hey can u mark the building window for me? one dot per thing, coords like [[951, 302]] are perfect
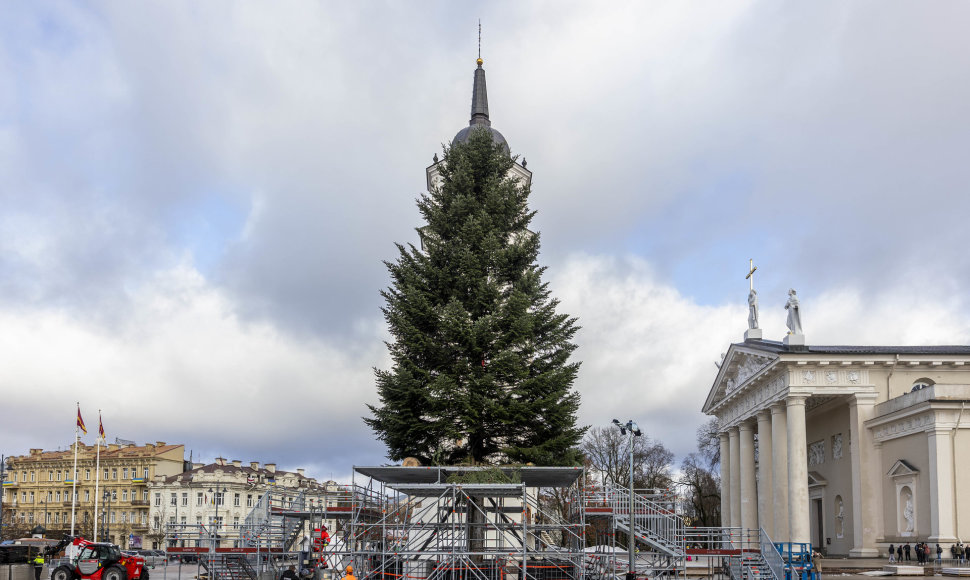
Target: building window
[[185, 498], [235, 500], [114, 473], [198, 520], [113, 517], [185, 520], [23, 496], [87, 495], [146, 473], [50, 496], [31, 476], [58, 474], [114, 495], [158, 499], [124, 495], [124, 473], [25, 476], [105, 473], [158, 522], [144, 518], [87, 474], [144, 494], [57, 494], [198, 499], [249, 500], [174, 499], [50, 476], [30, 518], [31, 497]]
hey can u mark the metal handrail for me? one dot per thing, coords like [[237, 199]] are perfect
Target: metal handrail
[[771, 555]]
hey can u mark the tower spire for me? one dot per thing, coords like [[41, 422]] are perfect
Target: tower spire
[[479, 93]]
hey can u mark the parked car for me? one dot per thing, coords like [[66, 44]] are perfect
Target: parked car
[[152, 558]]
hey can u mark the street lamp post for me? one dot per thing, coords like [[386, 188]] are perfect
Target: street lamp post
[[217, 498], [634, 430], [107, 511]]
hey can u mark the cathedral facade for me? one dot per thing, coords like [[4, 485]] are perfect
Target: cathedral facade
[[850, 448]]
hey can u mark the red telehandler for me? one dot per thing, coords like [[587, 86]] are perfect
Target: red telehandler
[[97, 561]]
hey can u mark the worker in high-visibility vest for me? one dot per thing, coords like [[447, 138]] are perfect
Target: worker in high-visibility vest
[[38, 565], [350, 574]]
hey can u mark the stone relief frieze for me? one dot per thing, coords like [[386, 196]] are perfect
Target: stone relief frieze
[[837, 446], [808, 377], [751, 365], [831, 377], [852, 377], [816, 453], [904, 427]]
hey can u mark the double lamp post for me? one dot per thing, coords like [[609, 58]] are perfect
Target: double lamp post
[[634, 430]]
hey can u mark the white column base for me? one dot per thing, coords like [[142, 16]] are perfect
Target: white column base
[[867, 553], [752, 334], [941, 540], [794, 340]]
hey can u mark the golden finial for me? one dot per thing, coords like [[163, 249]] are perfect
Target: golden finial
[[480, 61]]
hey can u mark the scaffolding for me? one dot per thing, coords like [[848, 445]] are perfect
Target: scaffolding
[[437, 523]]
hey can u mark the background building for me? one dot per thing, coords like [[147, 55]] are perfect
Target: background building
[[38, 487], [188, 507]]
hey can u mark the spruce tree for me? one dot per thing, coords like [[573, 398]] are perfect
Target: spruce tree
[[481, 371]]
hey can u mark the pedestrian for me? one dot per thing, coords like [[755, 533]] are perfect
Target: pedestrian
[[918, 548], [965, 553], [927, 553], [907, 550], [899, 553], [892, 554], [939, 555], [38, 564]]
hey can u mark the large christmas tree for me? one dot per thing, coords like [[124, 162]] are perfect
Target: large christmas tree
[[481, 371]]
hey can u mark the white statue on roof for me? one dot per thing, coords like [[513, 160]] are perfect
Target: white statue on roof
[[794, 321]]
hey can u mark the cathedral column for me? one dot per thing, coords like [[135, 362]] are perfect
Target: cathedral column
[[779, 471], [765, 500], [799, 527], [942, 493], [749, 495], [866, 477], [735, 486], [725, 479]]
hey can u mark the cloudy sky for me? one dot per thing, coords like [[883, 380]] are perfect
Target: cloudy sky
[[196, 198]]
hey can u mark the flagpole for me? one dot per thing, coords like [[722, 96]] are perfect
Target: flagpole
[[97, 477], [77, 439]]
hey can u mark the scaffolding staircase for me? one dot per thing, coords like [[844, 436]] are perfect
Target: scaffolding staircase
[[228, 567]]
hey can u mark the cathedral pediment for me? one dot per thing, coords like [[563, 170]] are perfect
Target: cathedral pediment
[[902, 468], [737, 367]]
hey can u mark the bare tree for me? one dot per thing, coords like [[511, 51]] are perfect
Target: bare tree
[[607, 454], [701, 487], [709, 442]]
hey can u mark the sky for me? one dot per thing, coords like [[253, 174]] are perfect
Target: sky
[[196, 199]]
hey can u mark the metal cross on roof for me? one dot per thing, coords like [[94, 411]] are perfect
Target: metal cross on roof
[[750, 276]]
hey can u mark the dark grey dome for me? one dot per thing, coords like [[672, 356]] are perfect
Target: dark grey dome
[[497, 138]]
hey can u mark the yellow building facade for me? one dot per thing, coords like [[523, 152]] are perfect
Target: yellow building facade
[[111, 492]]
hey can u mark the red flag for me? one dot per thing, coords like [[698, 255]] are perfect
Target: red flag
[[100, 426], [80, 421]]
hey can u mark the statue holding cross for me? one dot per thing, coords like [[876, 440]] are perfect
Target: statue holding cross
[[752, 297]]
